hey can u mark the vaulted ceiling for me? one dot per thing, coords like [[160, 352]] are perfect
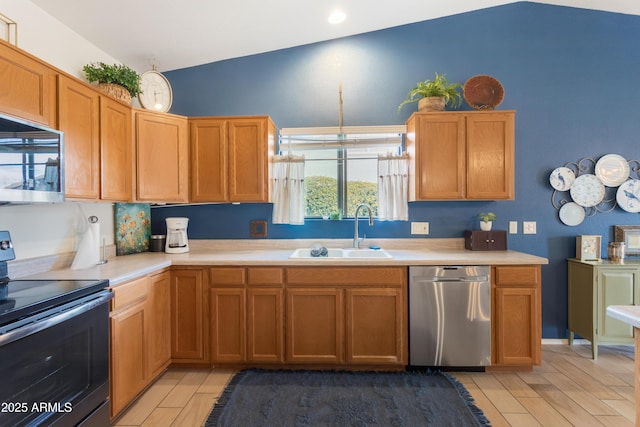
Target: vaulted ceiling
[[178, 34]]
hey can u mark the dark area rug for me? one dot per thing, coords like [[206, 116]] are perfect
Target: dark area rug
[[330, 398]]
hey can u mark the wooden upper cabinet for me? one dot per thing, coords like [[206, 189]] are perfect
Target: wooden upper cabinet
[[116, 150], [461, 155], [27, 86], [79, 119], [162, 157], [230, 158], [251, 146], [208, 160], [490, 155]]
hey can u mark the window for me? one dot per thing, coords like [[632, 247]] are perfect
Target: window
[[341, 165]]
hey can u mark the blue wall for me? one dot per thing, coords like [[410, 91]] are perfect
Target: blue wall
[[571, 74]]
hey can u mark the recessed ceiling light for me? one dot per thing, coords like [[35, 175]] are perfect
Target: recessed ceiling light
[[337, 17]]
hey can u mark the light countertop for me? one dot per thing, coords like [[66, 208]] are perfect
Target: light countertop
[[274, 252], [627, 313]]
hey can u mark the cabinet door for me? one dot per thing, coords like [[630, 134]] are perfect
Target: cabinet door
[[436, 143], [162, 150], [187, 316], [375, 320], [116, 151], [159, 308], [128, 355], [265, 325], [516, 340], [615, 287], [314, 325], [209, 172], [27, 87], [228, 325], [490, 155], [79, 119], [516, 315], [249, 159]]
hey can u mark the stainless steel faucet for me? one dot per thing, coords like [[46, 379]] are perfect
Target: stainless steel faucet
[[356, 239]]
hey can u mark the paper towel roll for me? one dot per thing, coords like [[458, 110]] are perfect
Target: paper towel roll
[[88, 253]]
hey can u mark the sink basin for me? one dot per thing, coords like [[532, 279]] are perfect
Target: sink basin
[[305, 253], [366, 253]]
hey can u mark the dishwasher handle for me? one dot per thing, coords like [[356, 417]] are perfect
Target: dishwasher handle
[[435, 279]]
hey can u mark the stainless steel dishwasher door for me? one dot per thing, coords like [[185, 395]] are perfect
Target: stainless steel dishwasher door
[[449, 316]]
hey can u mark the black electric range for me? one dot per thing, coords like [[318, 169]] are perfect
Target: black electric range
[[20, 298]]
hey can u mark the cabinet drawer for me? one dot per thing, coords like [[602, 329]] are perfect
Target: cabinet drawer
[[516, 275], [129, 293], [232, 276], [346, 275], [265, 276]]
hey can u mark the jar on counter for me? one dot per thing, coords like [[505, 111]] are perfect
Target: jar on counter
[[615, 251], [156, 243]]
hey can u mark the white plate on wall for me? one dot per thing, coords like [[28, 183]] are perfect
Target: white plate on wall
[[612, 170], [561, 178], [571, 214], [628, 195], [587, 190]]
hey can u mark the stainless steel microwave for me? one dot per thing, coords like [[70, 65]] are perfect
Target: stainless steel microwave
[[31, 162]]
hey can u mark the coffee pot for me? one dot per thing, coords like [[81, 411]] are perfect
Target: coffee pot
[[177, 241]]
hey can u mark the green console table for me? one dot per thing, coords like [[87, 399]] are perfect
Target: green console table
[[592, 287]]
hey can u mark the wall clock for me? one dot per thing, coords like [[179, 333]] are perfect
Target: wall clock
[[155, 91]]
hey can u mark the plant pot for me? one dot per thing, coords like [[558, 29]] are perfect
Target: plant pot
[[116, 91], [485, 225], [431, 103]]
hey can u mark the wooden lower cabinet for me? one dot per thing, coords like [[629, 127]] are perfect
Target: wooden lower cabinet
[[346, 315], [375, 326], [516, 315], [246, 314], [129, 343], [228, 325], [315, 325], [140, 336], [159, 306], [188, 310], [265, 325]]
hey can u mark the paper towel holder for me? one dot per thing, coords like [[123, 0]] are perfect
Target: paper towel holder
[[103, 260]]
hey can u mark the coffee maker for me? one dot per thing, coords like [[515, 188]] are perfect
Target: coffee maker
[[177, 241]]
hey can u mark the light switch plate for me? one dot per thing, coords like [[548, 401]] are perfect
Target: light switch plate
[[419, 228], [529, 227], [513, 227]]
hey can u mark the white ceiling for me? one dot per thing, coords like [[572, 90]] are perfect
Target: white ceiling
[[184, 33]]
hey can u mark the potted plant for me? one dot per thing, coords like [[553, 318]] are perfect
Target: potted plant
[[486, 219], [116, 80], [434, 95]]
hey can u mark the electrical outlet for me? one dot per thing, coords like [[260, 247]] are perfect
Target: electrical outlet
[[529, 227], [419, 228], [513, 227]]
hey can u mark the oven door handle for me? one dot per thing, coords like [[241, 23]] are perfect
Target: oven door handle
[[55, 318]]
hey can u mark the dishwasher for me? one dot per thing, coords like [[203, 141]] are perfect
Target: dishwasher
[[450, 316]]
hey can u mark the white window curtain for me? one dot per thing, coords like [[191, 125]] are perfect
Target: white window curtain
[[288, 190], [393, 187]]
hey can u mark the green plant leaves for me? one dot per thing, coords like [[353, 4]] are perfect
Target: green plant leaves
[[116, 73], [437, 87]]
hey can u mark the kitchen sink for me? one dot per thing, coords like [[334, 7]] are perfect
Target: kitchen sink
[[365, 253]]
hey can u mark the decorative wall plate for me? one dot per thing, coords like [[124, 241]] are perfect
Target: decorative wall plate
[[628, 195], [483, 92], [571, 214], [561, 178], [612, 170], [587, 190]]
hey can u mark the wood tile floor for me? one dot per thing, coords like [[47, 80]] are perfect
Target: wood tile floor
[[568, 389]]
